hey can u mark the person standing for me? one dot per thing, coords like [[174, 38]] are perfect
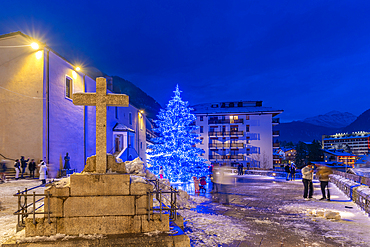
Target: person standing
[[287, 170], [323, 175], [67, 166], [17, 165], [241, 169], [23, 165], [43, 172], [32, 168], [292, 172], [196, 184], [307, 175]]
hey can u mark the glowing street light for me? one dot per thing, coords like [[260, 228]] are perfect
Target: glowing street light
[[35, 46], [78, 68]]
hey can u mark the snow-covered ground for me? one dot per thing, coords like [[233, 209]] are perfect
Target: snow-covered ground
[[353, 225], [225, 224], [9, 205]]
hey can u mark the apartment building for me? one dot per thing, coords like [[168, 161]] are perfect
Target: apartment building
[[357, 142], [237, 132]]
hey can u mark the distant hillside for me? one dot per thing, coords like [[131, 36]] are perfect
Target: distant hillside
[[299, 131], [333, 119], [138, 98], [362, 123]]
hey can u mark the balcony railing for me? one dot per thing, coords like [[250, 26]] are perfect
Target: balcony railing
[[275, 132], [225, 121], [225, 133], [226, 145], [276, 120], [226, 157], [276, 145]]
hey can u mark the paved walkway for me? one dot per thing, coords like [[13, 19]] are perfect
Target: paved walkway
[[274, 213]]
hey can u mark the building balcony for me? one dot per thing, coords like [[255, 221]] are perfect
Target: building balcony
[[225, 121], [226, 133], [226, 145], [275, 133], [275, 121], [276, 145], [226, 157]]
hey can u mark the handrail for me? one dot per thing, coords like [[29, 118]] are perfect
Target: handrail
[[6, 157], [23, 212]]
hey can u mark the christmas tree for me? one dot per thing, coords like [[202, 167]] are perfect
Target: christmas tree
[[174, 149]]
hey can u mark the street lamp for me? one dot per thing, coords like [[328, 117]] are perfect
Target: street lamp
[[35, 46]]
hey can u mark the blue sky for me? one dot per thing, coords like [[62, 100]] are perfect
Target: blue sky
[[304, 57]]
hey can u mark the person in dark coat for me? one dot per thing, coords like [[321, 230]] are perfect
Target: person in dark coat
[[32, 168], [292, 172], [23, 165], [67, 166], [287, 170]]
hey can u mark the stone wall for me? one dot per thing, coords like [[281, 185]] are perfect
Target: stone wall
[[359, 193], [98, 204]]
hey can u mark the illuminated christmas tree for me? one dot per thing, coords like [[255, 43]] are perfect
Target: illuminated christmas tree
[[174, 149]]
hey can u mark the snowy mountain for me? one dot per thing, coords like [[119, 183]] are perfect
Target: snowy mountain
[[362, 123], [333, 119]]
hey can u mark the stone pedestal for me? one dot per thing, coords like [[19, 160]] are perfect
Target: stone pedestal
[[98, 204]]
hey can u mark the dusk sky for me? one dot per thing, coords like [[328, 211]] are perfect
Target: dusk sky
[[304, 57]]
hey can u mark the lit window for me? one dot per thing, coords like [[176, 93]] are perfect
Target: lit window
[[69, 85]]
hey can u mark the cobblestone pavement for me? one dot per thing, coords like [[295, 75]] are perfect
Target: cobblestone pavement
[[275, 214]]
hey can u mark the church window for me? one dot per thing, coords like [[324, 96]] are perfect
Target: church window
[[69, 86]]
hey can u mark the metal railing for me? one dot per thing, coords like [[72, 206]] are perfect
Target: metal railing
[[226, 145], [227, 157], [25, 209], [225, 133], [225, 121], [165, 204]]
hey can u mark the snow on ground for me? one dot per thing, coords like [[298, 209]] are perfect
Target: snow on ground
[[210, 230], [9, 205], [354, 223]]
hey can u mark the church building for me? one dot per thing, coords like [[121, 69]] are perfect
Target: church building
[[38, 118]]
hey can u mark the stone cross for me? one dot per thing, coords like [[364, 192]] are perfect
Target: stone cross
[[101, 100]]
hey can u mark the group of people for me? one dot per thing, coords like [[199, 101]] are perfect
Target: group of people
[[322, 174], [200, 184], [290, 170], [21, 164]]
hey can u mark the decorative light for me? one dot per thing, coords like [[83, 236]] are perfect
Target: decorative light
[[39, 54], [35, 46], [78, 68], [141, 111]]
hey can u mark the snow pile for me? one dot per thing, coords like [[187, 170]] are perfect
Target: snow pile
[[138, 179], [20, 237], [135, 167], [212, 230], [327, 214], [64, 182], [150, 234]]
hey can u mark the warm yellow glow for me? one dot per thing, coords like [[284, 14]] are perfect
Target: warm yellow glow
[[35, 46], [141, 111], [74, 74], [39, 54], [78, 68]]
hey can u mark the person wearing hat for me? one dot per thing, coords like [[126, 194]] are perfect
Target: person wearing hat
[[307, 175]]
